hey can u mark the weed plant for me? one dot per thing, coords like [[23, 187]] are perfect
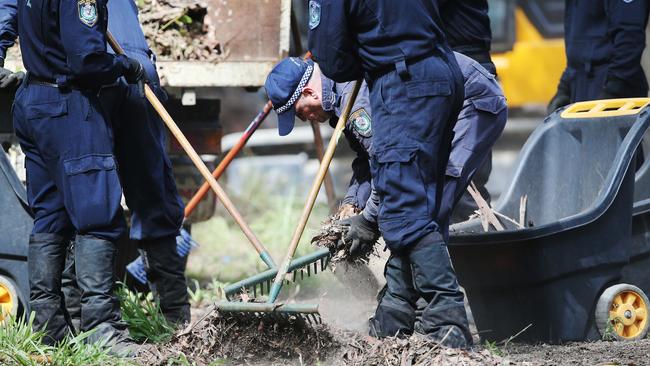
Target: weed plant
[[20, 345], [143, 317]]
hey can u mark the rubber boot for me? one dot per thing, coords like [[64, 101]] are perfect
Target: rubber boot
[[166, 275], [46, 258], [444, 318], [100, 309], [70, 289]]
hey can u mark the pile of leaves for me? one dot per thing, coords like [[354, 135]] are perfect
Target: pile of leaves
[[416, 351], [241, 339], [175, 30], [331, 236]]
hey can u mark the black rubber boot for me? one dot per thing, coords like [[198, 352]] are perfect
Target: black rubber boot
[[444, 318], [70, 289], [422, 271], [46, 259], [166, 276], [100, 309]]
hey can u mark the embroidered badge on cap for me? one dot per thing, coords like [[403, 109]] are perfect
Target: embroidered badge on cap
[[314, 14], [88, 12], [361, 122]]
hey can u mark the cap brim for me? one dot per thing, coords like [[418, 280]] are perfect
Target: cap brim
[[286, 121]]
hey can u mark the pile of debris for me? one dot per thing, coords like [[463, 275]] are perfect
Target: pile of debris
[[245, 340], [249, 340], [331, 236], [176, 30]]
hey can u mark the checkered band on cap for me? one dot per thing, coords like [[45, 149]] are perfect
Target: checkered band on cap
[[298, 91]]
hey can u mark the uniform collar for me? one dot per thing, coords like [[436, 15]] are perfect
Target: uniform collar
[[329, 94]]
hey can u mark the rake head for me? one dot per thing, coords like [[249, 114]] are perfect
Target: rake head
[[299, 268], [307, 313]]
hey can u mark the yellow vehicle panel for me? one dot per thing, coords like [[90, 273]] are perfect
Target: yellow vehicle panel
[[530, 72]]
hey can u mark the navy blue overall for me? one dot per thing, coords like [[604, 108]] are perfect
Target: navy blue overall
[[145, 173], [416, 93], [72, 182]]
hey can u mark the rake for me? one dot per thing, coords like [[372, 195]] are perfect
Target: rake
[[273, 309], [200, 165]]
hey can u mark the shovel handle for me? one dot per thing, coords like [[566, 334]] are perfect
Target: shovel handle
[[313, 193], [200, 165]]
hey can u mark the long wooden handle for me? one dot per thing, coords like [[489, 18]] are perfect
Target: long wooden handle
[[223, 164], [182, 140], [313, 193]]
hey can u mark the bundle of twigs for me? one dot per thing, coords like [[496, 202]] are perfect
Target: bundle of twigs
[[175, 30]]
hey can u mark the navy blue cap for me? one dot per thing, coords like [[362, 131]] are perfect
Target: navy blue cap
[[284, 86]]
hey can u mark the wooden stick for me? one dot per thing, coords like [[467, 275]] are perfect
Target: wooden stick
[[313, 193], [200, 165], [484, 208]]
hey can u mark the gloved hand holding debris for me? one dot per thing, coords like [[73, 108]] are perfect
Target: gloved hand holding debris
[[361, 235]]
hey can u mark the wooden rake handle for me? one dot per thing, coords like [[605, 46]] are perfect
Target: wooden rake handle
[[182, 140], [313, 193]]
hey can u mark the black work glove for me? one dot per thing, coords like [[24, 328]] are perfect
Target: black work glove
[[559, 100], [134, 74], [10, 80], [362, 233]]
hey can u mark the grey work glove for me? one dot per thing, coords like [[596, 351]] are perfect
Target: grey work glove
[[362, 233], [10, 80]]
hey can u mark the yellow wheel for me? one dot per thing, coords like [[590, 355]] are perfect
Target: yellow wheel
[[622, 313], [8, 298]]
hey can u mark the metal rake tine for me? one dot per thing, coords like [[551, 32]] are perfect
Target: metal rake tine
[[315, 267], [308, 271]]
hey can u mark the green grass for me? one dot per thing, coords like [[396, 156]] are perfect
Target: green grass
[[20, 345], [226, 255], [143, 317]]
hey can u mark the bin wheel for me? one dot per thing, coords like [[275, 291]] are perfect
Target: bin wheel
[[9, 300], [622, 313]]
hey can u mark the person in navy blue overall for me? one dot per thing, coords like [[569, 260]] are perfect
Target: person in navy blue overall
[[604, 42], [73, 186], [416, 92], [145, 172], [144, 168]]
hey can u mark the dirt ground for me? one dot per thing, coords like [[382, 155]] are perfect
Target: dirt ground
[[251, 341]]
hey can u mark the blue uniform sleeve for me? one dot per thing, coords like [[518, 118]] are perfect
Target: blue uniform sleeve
[[8, 27], [83, 34], [627, 22], [359, 188], [330, 42], [371, 211]]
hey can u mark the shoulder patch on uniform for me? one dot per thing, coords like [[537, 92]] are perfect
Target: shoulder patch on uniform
[[361, 122], [88, 12], [314, 14]]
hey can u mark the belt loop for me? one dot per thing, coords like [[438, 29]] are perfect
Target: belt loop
[[402, 71], [588, 68]]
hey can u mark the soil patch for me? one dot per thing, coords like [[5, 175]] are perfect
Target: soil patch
[[582, 353]]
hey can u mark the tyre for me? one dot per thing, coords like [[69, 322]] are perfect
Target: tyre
[[9, 301], [622, 313]]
